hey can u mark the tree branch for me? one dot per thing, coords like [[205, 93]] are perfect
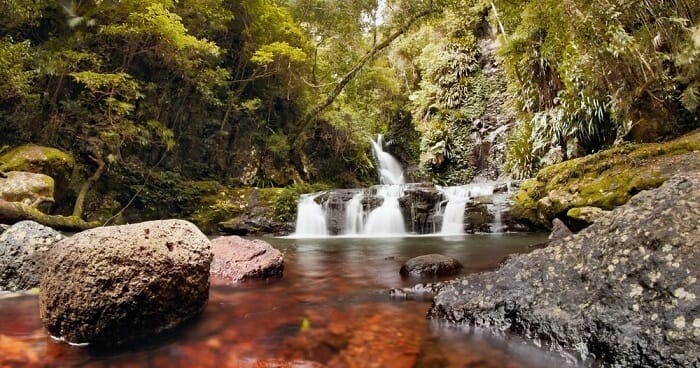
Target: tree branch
[[313, 114]]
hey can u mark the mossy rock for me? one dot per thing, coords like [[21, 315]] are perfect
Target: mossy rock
[[38, 159], [605, 180], [42, 160]]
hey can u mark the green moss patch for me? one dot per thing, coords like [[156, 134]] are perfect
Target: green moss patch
[[606, 179]]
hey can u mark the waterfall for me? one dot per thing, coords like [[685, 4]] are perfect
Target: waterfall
[[453, 215], [390, 171], [311, 218], [387, 219], [456, 199], [354, 215]]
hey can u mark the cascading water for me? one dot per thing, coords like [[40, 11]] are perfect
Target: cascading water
[[387, 219], [311, 218], [344, 212], [390, 171], [354, 215], [453, 216], [456, 200]]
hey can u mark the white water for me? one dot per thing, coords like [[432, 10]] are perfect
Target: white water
[[387, 220], [311, 218], [453, 216], [354, 215], [457, 199], [390, 171]]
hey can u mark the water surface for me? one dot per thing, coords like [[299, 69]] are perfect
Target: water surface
[[331, 307]]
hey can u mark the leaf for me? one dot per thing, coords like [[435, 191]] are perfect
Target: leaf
[[305, 325]]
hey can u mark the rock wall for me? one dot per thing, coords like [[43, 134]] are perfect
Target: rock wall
[[623, 291]]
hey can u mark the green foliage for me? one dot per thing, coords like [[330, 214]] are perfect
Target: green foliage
[[269, 53], [588, 69], [522, 159], [16, 73]]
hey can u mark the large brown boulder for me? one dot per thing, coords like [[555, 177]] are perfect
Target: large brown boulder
[[120, 284], [23, 248], [237, 259]]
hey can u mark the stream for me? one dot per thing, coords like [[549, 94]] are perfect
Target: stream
[[331, 307]]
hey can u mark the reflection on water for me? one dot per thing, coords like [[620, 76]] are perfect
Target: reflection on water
[[331, 308]]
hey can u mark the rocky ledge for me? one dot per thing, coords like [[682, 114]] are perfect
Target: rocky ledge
[[624, 291]]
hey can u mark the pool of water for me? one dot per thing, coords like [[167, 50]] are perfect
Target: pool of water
[[331, 308]]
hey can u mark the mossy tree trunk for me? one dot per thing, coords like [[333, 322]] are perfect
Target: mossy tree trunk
[[12, 212], [80, 200]]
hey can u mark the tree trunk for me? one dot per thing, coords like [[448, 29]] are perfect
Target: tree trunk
[[12, 212], [80, 200]]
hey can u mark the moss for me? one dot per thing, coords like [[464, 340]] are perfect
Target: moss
[[38, 159], [606, 179]]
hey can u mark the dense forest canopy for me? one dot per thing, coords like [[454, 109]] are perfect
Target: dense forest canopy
[[275, 92]]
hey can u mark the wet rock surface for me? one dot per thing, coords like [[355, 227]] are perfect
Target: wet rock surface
[[624, 290], [23, 248], [237, 259], [431, 265], [121, 284]]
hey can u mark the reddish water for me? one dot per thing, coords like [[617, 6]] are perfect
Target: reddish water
[[331, 308]]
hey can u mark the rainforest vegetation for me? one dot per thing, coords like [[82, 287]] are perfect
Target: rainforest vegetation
[[149, 95]]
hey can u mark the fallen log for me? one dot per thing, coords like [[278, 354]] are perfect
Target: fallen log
[[12, 212]]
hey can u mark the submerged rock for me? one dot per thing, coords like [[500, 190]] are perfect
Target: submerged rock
[[237, 259], [624, 290], [23, 248], [431, 265], [121, 284]]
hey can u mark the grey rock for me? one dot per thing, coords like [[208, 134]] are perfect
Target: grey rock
[[121, 284], [23, 248], [587, 215], [431, 265], [624, 291], [559, 230]]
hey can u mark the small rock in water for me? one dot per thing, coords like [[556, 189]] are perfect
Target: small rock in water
[[121, 284], [431, 265], [237, 259]]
